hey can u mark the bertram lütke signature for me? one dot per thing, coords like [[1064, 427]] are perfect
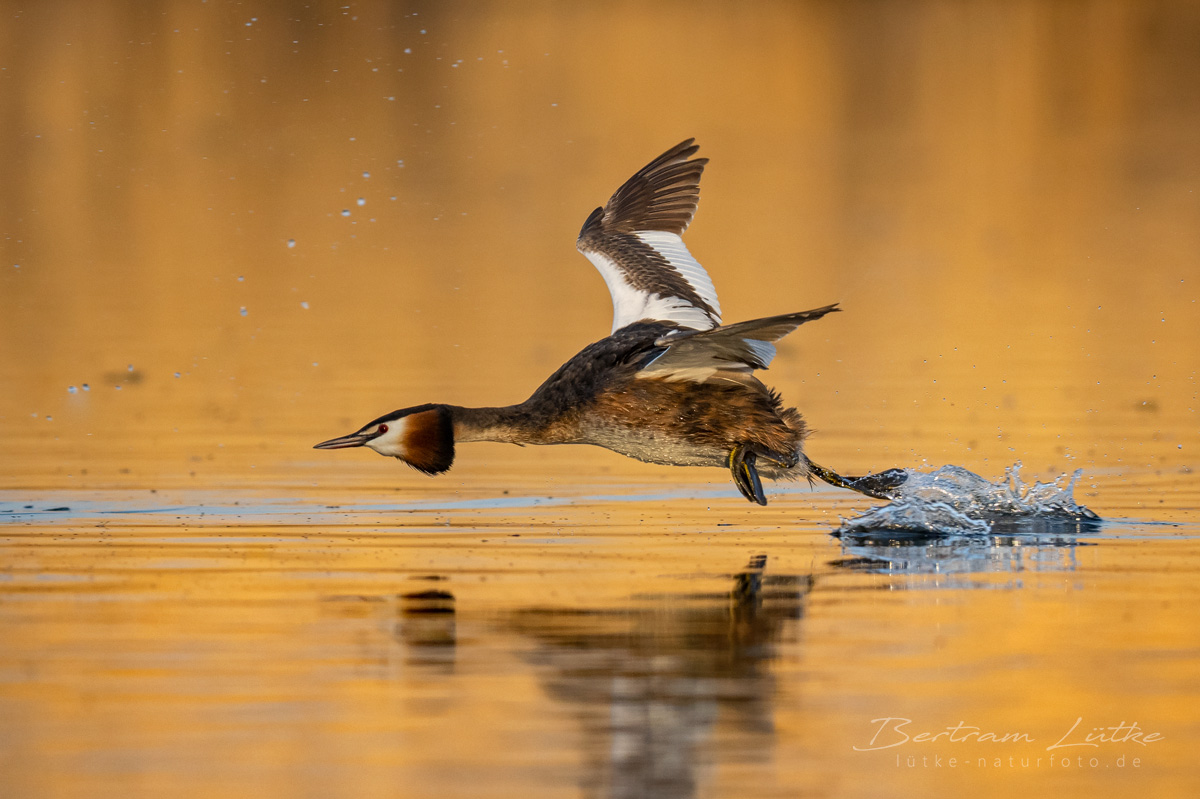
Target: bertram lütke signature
[[893, 731]]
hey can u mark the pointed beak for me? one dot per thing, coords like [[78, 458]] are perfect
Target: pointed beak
[[352, 440]]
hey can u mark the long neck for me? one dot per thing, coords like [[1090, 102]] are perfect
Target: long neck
[[512, 424]]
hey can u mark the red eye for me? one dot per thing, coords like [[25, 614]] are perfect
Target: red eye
[[382, 429]]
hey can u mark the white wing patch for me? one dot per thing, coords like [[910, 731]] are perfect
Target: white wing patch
[[633, 305], [671, 247]]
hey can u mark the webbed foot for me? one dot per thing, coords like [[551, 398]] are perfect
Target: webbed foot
[[883, 485], [745, 475]]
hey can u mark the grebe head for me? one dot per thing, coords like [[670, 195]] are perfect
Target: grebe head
[[422, 437]]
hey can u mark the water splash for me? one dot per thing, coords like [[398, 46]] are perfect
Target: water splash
[[954, 501], [915, 516]]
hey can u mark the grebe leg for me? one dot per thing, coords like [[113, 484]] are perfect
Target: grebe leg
[[882, 485]]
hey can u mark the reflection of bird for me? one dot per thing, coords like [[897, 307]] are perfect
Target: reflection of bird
[[670, 385]]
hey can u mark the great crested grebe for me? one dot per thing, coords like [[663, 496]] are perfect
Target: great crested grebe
[[670, 385]]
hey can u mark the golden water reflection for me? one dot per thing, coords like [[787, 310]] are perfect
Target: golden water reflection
[[617, 650], [649, 684]]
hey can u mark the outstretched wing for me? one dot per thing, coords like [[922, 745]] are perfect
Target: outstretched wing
[[636, 242], [740, 348]]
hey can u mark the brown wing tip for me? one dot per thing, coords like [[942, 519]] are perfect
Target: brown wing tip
[[674, 157], [662, 195], [685, 149], [593, 220]]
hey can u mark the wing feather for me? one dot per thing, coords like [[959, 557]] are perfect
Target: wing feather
[[636, 243], [742, 348]]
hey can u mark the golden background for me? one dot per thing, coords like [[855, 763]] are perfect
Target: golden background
[[1001, 195], [1004, 196]]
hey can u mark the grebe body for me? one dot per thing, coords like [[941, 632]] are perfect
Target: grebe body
[[670, 385]]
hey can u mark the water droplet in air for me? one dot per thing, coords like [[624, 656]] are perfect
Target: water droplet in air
[[345, 212], [177, 374], [304, 305], [291, 243], [86, 387], [71, 389], [366, 175], [244, 311], [361, 201]]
